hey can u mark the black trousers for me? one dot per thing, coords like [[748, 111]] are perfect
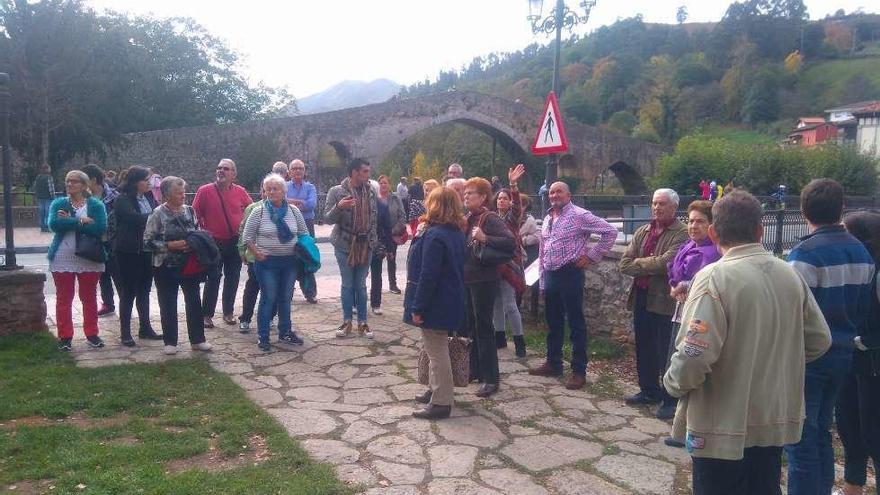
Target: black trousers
[[858, 423], [135, 278], [376, 276], [249, 297], [106, 282], [757, 473], [168, 281], [653, 332], [231, 272], [484, 354]]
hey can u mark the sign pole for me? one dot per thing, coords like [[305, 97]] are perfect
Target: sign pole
[[5, 96]]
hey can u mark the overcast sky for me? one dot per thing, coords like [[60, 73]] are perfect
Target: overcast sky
[[310, 45]]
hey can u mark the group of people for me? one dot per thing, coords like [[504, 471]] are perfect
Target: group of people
[[747, 353], [713, 191]]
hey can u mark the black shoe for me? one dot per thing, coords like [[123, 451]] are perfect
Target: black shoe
[[106, 310], [487, 389], [666, 410], [264, 346], [500, 340], [147, 333], [126, 339], [520, 343], [433, 411], [290, 338], [311, 300], [671, 442], [95, 342], [394, 290], [425, 398], [641, 399], [65, 345]]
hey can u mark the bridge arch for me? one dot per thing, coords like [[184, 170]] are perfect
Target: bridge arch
[[630, 179]]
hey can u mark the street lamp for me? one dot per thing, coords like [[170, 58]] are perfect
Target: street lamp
[[560, 17], [6, 157]]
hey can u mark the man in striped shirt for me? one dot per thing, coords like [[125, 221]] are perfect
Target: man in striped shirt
[[564, 255], [839, 271]]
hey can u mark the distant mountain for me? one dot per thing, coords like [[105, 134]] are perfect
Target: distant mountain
[[347, 94]]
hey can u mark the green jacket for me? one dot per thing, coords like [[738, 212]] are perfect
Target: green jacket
[[242, 246], [749, 326], [636, 264], [60, 226]]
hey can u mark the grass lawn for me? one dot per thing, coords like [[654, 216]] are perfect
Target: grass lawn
[[599, 347], [172, 428]]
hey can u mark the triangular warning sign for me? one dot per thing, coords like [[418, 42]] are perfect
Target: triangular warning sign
[[550, 137]]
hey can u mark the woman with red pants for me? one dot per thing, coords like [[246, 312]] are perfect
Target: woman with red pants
[[77, 214]]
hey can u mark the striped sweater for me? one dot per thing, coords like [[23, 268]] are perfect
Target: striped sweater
[[260, 230], [839, 271]]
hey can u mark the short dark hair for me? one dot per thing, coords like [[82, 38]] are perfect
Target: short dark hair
[[865, 226], [822, 201], [736, 218], [94, 172], [356, 165], [701, 206], [131, 176]]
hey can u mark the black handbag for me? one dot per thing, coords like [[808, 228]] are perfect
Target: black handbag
[[89, 247], [488, 255]]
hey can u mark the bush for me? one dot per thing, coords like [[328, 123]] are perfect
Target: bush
[[760, 168]]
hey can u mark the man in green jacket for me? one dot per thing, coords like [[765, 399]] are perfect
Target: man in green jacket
[[749, 325]]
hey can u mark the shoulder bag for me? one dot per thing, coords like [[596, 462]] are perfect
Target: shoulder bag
[[488, 255]]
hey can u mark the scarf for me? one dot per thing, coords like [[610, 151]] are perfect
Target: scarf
[[654, 234], [277, 216], [359, 254]]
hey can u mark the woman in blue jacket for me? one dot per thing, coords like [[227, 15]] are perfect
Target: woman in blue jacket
[[435, 293], [77, 214]]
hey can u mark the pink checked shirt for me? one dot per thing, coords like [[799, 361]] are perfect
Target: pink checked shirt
[[564, 239]]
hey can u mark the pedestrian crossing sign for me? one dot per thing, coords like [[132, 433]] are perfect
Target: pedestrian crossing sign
[[550, 137]]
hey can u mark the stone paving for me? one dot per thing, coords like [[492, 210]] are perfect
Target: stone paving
[[349, 401]]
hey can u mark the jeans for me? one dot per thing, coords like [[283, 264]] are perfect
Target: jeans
[[484, 354], [506, 310], [354, 287], [168, 281], [135, 279], [757, 473], [811, 461], [249, 297], [231, 272], [653, 332], [64, 289], [276, 276], [858, 423], [564, 300], [43, 205], [376, 276]]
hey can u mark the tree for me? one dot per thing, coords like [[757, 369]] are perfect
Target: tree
[[839, 36], [794, 62], [422, 167], [575, 105], [813, 35], [681, 14], [622, 122], [657, 114], [762, 99], [735, 80]]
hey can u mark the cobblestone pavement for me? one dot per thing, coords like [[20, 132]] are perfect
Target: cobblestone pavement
[[349, 401]]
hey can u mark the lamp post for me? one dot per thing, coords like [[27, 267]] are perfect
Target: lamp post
[[7, 173], [560, 17]]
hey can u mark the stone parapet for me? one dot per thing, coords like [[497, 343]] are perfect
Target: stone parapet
[[22, 303], [605, 297]]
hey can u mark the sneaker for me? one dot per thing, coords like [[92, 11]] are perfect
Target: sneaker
[[394, 290], [671, 442], [344, 330], [641, 399], [244, 327], [105, 310], [377, 311], [169, 350], [208, 321], [290, 338], [95, 342], [65, 345], [364, 330], [264, 345], [202, 346], [311, 300]]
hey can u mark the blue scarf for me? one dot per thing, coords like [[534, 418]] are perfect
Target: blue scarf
[[277, 215]]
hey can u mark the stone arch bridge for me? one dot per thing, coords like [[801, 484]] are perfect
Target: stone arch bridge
[[372, 131]]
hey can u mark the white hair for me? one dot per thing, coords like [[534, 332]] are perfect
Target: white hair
[[169, 183], [279, 168], [274, 178], [455, 181], [230, 162], [669, 193]]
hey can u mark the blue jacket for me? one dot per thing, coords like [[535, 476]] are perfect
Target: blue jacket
[[60, 226], [839, 271], [435, 279]]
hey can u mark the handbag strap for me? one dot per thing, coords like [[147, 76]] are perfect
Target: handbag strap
[[223, 207]]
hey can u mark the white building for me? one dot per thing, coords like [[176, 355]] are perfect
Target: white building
[[868, 133]]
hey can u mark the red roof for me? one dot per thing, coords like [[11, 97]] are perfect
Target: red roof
[[872, 108], [812, 120]]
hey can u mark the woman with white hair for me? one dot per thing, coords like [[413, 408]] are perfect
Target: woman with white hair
[[270, 234], [77, 219]]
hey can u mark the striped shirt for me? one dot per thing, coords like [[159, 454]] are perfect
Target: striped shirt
[[839, 271], [260, 230], [564, 238]]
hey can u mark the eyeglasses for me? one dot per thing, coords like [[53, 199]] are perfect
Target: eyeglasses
[[224, 168], [298, 168]]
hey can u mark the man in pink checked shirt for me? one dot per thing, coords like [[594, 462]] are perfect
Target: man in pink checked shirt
[[564, 255]]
